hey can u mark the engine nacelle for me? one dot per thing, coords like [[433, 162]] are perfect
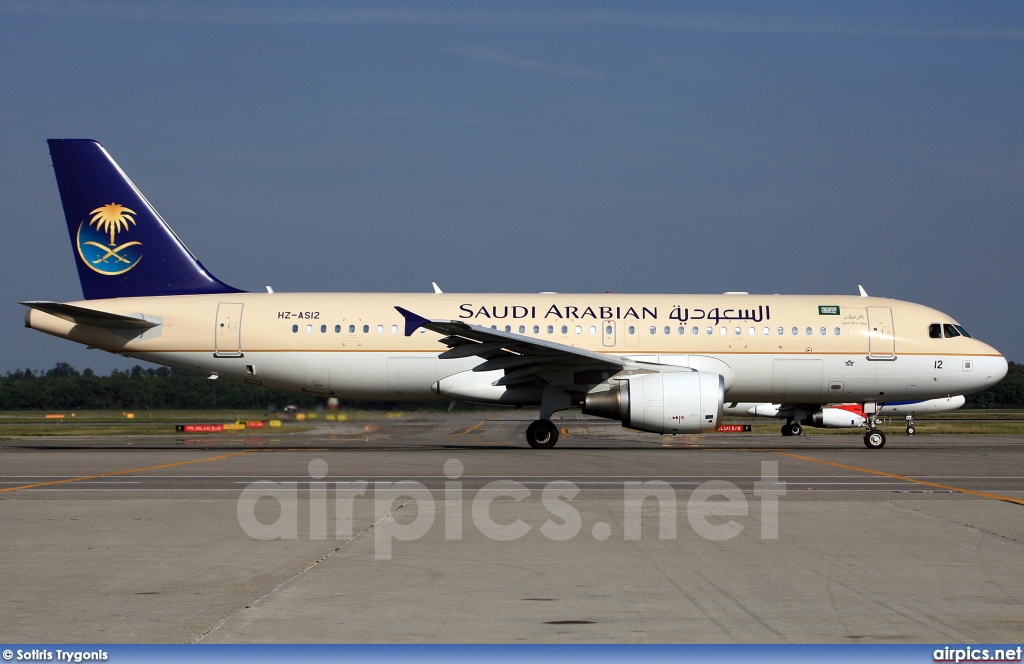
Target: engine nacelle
[[678, 402], [836, 418]]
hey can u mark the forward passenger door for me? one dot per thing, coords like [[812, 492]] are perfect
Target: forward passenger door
[[881, 335]]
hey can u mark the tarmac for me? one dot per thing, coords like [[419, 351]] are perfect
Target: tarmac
[[462, 533]]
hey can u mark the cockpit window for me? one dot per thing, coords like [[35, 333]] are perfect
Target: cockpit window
[[950, 331], [935, 330], [961, 330]]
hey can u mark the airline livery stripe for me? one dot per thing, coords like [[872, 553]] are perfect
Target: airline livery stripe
[[627, 352]]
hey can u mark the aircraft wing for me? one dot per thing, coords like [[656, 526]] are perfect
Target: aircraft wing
[[523, 358], [92, 317]]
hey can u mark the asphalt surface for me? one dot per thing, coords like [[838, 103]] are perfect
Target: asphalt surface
[[448, 528]]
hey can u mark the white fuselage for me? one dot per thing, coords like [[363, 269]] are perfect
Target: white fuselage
[[769, 348]]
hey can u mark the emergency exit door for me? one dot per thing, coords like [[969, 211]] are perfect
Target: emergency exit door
[[228, 335], [608, 332]]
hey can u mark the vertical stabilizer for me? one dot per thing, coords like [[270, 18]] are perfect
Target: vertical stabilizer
[[121, 245]]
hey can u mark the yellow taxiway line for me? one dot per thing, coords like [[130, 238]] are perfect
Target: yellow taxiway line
[[127, 472], [880, 473]]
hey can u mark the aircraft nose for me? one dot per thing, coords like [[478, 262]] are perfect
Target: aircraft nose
[[995, 369]]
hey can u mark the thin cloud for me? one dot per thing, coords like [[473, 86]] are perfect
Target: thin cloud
[[502, 58], [734, 23]]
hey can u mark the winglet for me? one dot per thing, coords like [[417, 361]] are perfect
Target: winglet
[[413, 321], [437, 289], [863, 293]]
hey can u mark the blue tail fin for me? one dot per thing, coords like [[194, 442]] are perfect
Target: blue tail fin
[[122, 246]]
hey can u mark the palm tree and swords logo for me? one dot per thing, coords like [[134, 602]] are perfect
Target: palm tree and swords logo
[[97, 240]]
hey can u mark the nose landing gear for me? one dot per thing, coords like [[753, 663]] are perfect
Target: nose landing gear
[[874, 439]]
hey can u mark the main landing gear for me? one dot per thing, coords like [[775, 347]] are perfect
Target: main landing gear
[[542, 434], [792, 428]]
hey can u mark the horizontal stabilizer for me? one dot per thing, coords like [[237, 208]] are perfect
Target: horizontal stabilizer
[[84, 316]]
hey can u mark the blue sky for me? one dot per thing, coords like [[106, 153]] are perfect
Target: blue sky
[[573, 147]]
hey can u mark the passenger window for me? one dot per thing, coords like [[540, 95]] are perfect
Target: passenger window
[[682, 330], [632, 330], [565, 329], [522, 329], [837, 331], [737, 331], [295, 328], [654, 330], [781, 331], [508, 328], [536, 329], [309, 329], [323, 329], [766, 331], [795, 331], [551, 329], [723, 331], [695, 330], [366, 329], [668, 330], [822, 331], [608, 329], [935, 330], [709, 330], [337, 329], [950, 331], [809, 331], [593, 329], [752, 331], [394, 329], [380, 329]]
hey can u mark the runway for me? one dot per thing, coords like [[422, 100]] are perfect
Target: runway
[[395, 531]]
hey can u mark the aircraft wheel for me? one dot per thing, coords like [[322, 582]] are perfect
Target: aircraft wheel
[[874, 439], [911, 430], [785, 430], [542, 434], [795, 429]]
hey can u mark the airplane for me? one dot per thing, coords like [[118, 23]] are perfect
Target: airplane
[[842, 415], [657, 363]]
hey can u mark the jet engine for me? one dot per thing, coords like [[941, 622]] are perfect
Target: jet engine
[[677, 402]]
